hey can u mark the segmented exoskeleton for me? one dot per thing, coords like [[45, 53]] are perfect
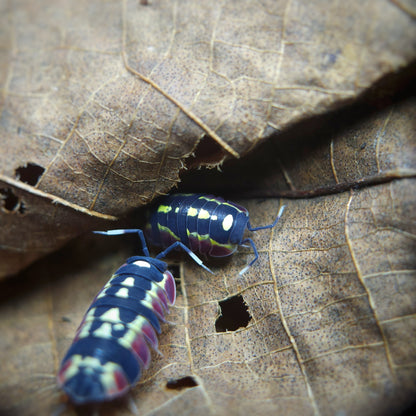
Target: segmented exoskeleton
[[205, 223], [111, 346]]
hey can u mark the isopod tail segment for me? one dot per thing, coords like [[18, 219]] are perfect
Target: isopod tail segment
[[112, 345], [205, 223]]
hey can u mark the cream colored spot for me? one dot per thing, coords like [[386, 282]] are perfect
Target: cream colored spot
[[142, 263], [214, 218], [104, 331], [112, 315], [203, 214], [192, 212], [122, 293], [85, 331], [128, 281], [227, 222]]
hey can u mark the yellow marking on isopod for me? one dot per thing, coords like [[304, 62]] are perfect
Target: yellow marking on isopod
[[91, 366], [102, 292], [192, 212], [176, 210], [167, 230], [225, 203], [137, 324], [227, 222], [214, 217], [142, 263], [85, 331], [200, 237], [152, 294], [128, 281], [122, 293], [103, 331], [205, 237], [203, 214], [118, 327], [164, 208], [112, 315], [72, 370], [128, 338], [147, 301]]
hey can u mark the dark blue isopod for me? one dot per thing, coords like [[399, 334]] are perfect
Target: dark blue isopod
[[205, 223], [111, 346]]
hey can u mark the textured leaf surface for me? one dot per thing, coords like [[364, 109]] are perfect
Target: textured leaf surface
[[332, 309], [332, 325], [110, 99], [331, 300], [358, 146]]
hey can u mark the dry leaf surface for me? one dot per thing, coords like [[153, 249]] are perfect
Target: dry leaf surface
[[357, 146], [331, 302], [107, 101], [331, 328]]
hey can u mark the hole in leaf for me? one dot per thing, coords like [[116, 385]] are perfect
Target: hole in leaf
[[181, 383], [11, 202], [30, 173], [234, 314]]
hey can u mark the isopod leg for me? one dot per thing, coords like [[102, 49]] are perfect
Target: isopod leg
[[128, 231], [194, 257], [256, 254], [264, 227]]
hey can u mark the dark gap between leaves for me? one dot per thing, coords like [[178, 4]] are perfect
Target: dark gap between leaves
[[30, 173], [181, 383], [11, 202], [208, 153], [234, 314]]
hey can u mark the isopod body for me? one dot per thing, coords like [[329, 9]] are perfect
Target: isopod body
[[112, 344], [205, 223]]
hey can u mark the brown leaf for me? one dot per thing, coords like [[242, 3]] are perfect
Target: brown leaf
[[357, 146], [331, 327], [332, 310], [109, 101], [332, 298]]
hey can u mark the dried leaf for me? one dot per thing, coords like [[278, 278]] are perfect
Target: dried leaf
[[331, 301], [332, 324], [356, 146], [108, 101]]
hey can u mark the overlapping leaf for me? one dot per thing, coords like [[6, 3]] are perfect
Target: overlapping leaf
[[108, 101], [331, 300], [332, 322]]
